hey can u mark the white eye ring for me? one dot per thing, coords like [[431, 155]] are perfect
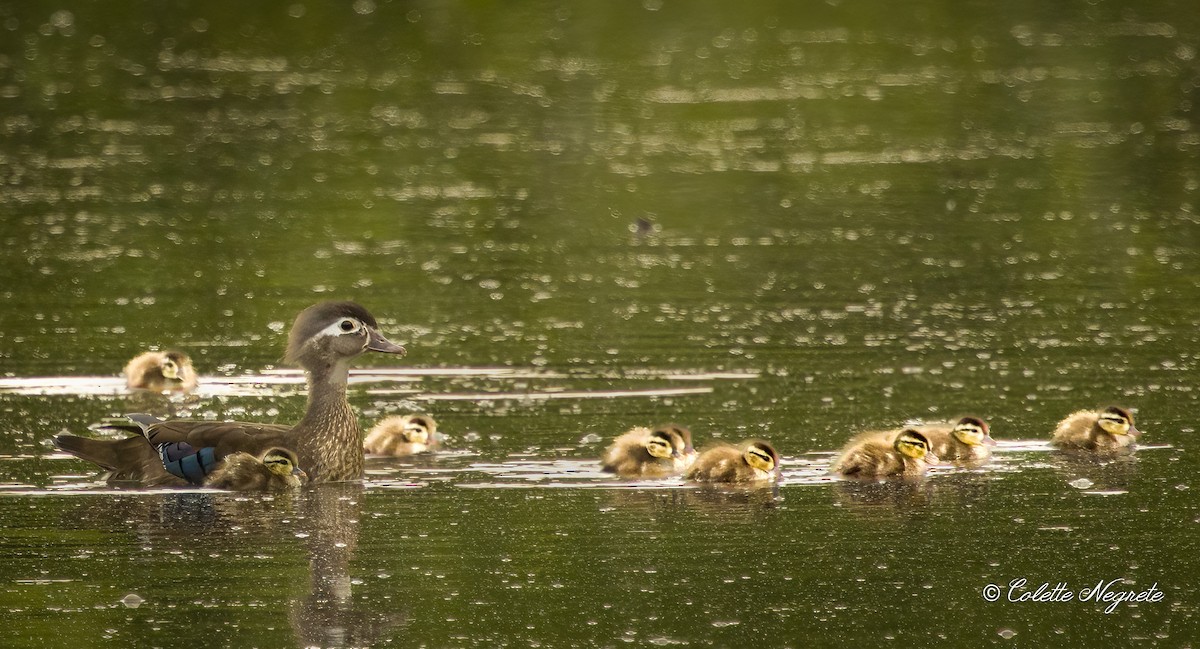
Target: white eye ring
[[342, 327]]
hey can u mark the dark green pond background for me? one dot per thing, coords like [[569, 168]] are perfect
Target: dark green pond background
[[789, 220]]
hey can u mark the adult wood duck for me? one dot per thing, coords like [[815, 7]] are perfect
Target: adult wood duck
[[161, 371], [644, 453], [327, 441], [276, 470], [752, 461], [1106, 430]]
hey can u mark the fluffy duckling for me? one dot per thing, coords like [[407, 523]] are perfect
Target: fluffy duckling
[[878, 454], [276, 470], [645, 453], [752, 461], [1110, 429], [968, 440], [401, 435], [160, 371]]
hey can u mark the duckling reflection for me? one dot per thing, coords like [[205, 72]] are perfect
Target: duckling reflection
[[1109, 430], [402, 435], [874, 496], [1089, 471], [751, 461], [967, 441], [882, 453], [740, 501], [277, 469], [645, 453], [161, 372]]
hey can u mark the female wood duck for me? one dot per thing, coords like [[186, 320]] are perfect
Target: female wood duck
[[161, 371], [644, 453], [1105, 430], [968, 440], [327, 441], [277, 469], [751, 461], [878, 454], [401, 435]]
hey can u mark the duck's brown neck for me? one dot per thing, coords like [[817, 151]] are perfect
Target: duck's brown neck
[[329, 441]]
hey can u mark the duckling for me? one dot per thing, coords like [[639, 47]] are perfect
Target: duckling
[[275, 470], [324, 339], [753, 460], [644, 453], [161, 371], [968, 440], [876, 454], [1110, 429], [401, 435]]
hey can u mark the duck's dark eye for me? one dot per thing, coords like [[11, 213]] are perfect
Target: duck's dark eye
[[347, 325]]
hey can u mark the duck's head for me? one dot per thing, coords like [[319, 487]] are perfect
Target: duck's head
[[973, 431], [761, 455], [419, 429], [912, 444], [282, 462], [331, 332], [678, 441], [175, 366], [1115, 420], [659, 444]]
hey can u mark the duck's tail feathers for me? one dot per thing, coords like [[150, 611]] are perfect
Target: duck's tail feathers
[[102, 452]]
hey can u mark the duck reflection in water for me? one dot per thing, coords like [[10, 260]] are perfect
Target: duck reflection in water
[[209, 528], [328, 616]]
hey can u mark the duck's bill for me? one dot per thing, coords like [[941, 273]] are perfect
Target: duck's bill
[[1133, 431], [377, 343], [988, 441], [930, 458]]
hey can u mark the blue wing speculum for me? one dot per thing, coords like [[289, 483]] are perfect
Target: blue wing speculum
[[180, 459], [184, 461]]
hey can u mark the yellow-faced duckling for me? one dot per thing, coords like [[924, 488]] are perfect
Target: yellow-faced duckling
[[161, 371], [879, 454], [752, 461], [277, 469], [968, 440], [1110, 429], [645, 453], [327, 441], [401, 435]]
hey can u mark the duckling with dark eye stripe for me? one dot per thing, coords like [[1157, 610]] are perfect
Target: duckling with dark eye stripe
[[401, 435], [161, 371], [276, 470], [880, 454], [1106, 430], [752, 461], [645, 453], [968, 440]]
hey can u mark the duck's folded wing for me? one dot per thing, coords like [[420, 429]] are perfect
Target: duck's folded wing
[[193, 449]]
